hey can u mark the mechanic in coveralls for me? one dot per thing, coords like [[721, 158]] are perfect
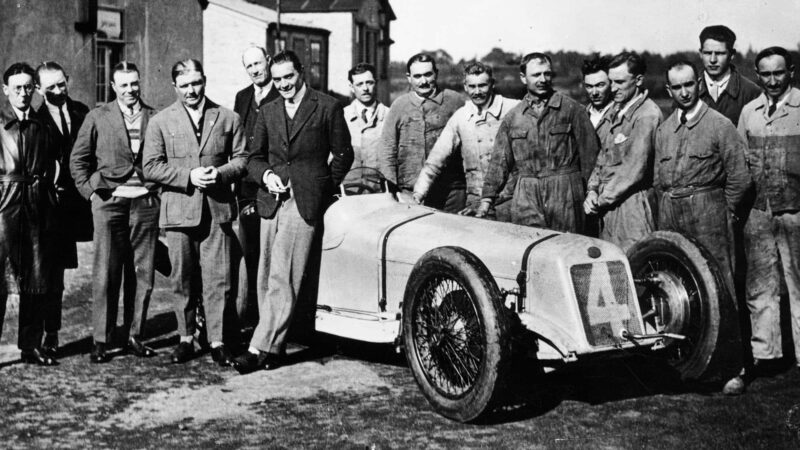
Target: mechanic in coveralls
[[620, 186], [550, 142], [700, 175]]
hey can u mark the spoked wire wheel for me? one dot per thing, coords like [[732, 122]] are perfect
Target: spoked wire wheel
[[455, 333], [446, 330]]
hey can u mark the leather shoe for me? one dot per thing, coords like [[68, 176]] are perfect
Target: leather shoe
[[250, 362], [183, 352], [137, 347], [222, 356], [99, 355], [37, 356], [50, 345]]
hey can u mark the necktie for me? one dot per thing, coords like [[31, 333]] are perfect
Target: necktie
[[364, 115], [714, 91], [683, 117], [772, 109], [64, 125]]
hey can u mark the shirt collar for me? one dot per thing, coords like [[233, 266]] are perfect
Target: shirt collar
[[132, 110], [54, 109], [21, 115], [298, 97], [721, 83], [629, 104], [692, 113], [494, 108], [437, 97], [590, 107], [200, 108], [263, 90]]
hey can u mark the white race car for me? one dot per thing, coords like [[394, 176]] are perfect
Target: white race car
[[452, 291]]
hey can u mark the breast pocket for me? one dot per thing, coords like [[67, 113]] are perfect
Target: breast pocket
[[518, 137], [178, 146], [558, 136]]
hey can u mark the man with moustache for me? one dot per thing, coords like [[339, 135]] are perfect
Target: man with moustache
[[247, 104], [73, 213], [620, 186], [26, 173], [598, 88], [106, 164], [301, 151], [364, 116], [195, 150], [771, 126], [722, 87], [472, 129], [412, 127], [700, 178], [548, 140]]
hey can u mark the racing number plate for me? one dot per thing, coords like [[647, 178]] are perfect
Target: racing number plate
[[604, 299]]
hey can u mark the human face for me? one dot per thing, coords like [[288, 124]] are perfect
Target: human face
[[126, 86], [422, 78], [53, 86], [19, 90], [775, 77], [598, 88], [623, 84], [363, 88], [716, 58], [191, 88], [682, 87], [287, 79], [538, 77], [479, 88], [257, 66]]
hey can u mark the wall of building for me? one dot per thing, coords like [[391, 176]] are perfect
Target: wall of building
[[227, 34], [156, 34], [340, 45]]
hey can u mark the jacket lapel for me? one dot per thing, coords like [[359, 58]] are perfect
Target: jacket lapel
[[114, 116], [210, 119], [307, 107], [184, 123]]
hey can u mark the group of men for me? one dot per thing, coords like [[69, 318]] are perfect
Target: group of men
[[615, 168]]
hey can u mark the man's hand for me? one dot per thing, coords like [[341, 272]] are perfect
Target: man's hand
[[483, 208], [273, 183], [203, 177], [417, 198], [590, 204]]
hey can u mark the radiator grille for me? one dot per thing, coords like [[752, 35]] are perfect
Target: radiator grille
[[604, 299]]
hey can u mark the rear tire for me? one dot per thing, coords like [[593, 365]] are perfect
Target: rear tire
[[456, 333], [681, 290]]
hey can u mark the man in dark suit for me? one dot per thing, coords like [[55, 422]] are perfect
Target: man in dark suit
[[293, 141], [249, 102], [195, 149], [106, 163], [73, 213]]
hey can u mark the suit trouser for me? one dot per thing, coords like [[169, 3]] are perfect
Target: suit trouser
[[772, 244], [248, 235], [286, 241], [629, 222], [31, 306], [125, 234], [201, 271]]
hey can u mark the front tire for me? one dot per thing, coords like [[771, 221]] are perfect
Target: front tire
[[456, 333], [681, 290]]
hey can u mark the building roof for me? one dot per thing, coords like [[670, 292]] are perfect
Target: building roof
[[301, 6], [258, 12]]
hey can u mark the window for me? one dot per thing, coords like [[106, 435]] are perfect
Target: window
[[315, 65], [109, 50], [108, 55]]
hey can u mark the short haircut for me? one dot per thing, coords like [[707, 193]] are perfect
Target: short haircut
[[719, 33], [288, 56], [422, 58], [597, 64], [48, 65], [125, 67], [16, 69], [537, 56], [772, 51], [636, 64], [360, 68], [477, 68], [680, 63], [185, 66]]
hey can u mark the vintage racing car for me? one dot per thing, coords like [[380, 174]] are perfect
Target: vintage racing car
[[452, 291]]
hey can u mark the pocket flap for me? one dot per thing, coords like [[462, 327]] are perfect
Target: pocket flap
[[561, 128]]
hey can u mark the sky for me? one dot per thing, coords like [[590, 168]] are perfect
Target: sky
[[471, 28]]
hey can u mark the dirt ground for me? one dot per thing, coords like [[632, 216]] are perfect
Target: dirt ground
[[339, 394]]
